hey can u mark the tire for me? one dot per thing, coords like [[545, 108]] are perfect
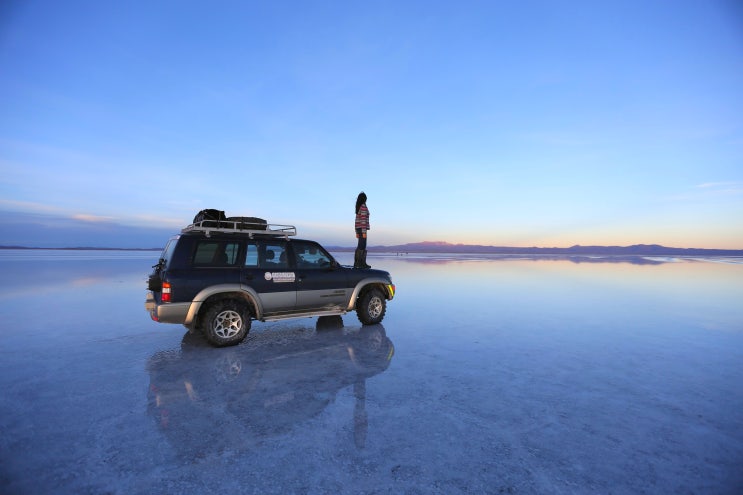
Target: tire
[[226, 323], [370, 307]]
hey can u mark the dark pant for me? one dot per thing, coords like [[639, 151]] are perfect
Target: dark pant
[[362, 240]]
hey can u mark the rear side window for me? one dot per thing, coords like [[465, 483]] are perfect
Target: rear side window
[[216, 253]]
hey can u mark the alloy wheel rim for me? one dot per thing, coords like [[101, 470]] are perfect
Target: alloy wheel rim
[[227, 324], [375, 307]]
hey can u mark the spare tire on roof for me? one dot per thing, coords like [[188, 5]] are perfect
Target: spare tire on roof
[[248, 223]]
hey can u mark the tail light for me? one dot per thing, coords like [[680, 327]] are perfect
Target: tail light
[[165, 297]]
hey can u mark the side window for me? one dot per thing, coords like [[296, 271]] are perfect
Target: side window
[[230, 250], [272, 256], [216, 253], [251, 255], [310, 255]]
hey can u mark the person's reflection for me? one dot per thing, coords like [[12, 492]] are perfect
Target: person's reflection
[[360, 422]]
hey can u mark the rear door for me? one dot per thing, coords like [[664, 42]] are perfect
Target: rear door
[[321, 284], [266, 270]]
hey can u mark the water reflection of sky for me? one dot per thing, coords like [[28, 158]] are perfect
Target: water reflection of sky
[[560, 377], [450, 287], [29, 272], [525, 289]]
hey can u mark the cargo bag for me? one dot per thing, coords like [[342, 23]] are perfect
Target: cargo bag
[[210, 218]]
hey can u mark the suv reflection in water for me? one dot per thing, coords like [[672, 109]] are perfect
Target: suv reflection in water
[[207, 400]]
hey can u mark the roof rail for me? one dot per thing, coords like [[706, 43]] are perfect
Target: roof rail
[[240, 227]]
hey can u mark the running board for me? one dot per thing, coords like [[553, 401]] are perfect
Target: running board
[[308, 314]]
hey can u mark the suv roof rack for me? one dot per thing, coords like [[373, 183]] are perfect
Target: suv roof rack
[[238, 227]]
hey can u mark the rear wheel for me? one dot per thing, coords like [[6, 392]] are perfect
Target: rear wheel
[[371, 307], [226, 323]]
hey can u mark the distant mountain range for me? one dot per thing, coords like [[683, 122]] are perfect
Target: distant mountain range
[[636, 250]]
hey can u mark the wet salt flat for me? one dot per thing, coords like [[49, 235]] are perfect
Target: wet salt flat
[[488, 375]]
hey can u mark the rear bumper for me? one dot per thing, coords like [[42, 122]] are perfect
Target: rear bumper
[[166, 313]]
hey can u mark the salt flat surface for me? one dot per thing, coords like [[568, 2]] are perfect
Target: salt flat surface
[[488, 375]]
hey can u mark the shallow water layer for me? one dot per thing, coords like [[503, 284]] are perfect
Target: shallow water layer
[[488, 375]]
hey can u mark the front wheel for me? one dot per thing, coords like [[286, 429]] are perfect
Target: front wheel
[[371, 307], [226, 323]]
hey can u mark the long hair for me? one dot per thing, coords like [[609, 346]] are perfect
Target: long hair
[[360, 200]]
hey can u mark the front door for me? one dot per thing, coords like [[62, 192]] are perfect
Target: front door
[[320, 283]]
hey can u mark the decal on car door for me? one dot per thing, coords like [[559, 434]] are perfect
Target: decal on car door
[[279, 277]]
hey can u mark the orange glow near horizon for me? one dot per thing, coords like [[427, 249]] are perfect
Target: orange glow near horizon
[[565, 241]]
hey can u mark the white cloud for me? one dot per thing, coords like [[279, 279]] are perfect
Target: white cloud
[[709, 190], [92, 218], [734, 187]]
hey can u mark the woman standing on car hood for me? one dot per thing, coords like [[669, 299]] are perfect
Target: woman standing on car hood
[[361, 225]]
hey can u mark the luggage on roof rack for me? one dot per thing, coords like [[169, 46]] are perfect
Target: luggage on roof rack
[[214, 217], [239, 227], [211, 220]]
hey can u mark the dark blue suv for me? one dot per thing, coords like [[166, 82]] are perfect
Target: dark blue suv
[[216, 279]]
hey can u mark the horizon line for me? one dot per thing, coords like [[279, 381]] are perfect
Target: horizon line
[[442, 246]]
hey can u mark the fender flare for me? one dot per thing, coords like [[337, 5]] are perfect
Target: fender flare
[[362, 284], [245, 291]]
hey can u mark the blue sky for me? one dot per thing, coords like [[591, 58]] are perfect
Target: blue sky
[[507, 123]]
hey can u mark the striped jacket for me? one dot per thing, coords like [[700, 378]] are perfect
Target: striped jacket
[[362, 219]]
